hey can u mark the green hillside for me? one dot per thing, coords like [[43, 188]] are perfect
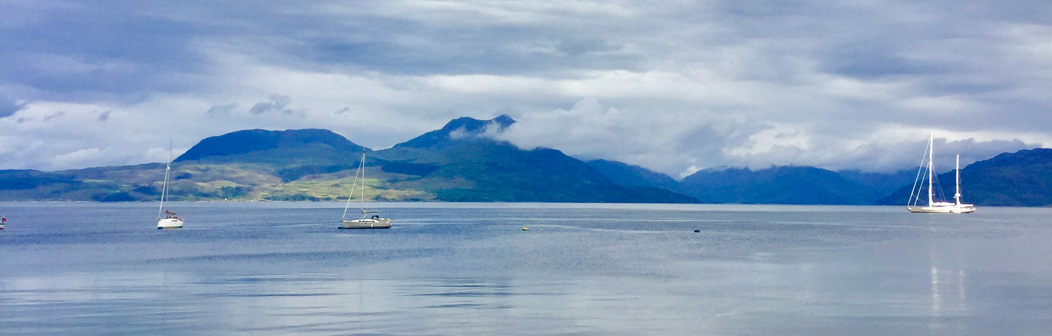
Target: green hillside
[[455, 163]]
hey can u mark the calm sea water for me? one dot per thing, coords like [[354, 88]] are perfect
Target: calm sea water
[[580, 269]]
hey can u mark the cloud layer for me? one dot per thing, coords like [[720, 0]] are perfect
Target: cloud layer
[[673, 86]]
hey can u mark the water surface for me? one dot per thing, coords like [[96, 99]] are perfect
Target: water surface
[[580, 269]]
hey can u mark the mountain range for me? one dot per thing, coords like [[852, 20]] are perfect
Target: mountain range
[[463, 161]]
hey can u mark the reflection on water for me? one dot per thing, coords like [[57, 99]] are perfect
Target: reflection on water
[[284, 268], [948, 298]]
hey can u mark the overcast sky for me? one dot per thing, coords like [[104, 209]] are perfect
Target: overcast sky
[[674, 86]]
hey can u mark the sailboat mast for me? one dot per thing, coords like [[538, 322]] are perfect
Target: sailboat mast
[[363, 181], [957, 195], [931, 169], [350, 196], [164, 187]]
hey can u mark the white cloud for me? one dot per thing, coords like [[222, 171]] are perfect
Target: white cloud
[[684, 145], [79, 157], [676, 88]]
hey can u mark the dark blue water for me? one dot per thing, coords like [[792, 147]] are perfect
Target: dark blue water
[[592, 269]]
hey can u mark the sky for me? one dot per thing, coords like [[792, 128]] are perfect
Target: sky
[[673, 86]]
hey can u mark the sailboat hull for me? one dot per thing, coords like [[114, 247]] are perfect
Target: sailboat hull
[[953, 209], [366, 223], [169, 223]]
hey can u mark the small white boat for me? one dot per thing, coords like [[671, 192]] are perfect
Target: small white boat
[[374, 222], [170, 219], [936, 206], [370, 218]]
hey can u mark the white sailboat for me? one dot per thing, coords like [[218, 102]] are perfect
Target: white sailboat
[[936, 206], [370, 218], [170, 219]]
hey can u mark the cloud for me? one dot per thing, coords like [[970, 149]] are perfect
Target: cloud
[[221, 110], [9, 107], [688, 142], [276, 104], [77, 158], [677, 87], [56, 114], [665, 141], [81, 53]]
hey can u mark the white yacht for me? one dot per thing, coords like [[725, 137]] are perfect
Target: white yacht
[[170, 219], [935, 206], [370, 218]]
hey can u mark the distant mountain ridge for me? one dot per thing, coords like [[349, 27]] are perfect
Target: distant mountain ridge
[[1008, 179], [776, 185], [465, 161], [632, 175], [882, 184]]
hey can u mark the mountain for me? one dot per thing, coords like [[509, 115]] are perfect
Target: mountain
[[28, 184], [462, 161], [776, 185], [465, 161], [291, 153], [459, 130], [487, 169], [883, 184], [1009, 179], [273, 147], [632, 175]]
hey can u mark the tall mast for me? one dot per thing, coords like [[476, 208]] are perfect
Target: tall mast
[[361, 169], [931, 169], [164, 187], [957, 195], [363, 181]]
